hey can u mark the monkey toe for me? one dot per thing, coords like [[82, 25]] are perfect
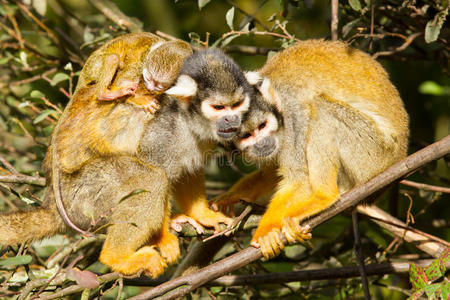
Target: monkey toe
[[146, 258], [293, 231], [270, 244], [177, 220], [169, 248], [209, 218]]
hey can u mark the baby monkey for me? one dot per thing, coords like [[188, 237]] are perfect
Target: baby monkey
[[325, 119], [116, 70]]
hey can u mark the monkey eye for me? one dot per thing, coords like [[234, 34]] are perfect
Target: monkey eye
[[218, 107], [234, 105], [246, 135], [262, 125]]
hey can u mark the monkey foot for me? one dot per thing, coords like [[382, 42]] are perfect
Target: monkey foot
[[177, 220], [270, 243], [209, 218], [146, 259], [293, 231], [121, 92], [226, 202], [169, 248]]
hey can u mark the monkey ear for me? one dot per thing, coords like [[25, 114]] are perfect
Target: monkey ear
[[185, 88], [270, 94], [253, 77]]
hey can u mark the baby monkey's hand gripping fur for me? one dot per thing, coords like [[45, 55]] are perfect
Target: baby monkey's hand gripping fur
[[329, 118]]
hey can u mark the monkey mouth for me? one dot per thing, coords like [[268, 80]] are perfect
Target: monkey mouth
[[227, 133]]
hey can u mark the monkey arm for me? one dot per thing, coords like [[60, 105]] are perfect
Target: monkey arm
[[255, 185], [292, 203], [190, 195]]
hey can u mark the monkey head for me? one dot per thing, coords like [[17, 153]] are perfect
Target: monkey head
[[217, 89], [260, 133], [162, 64]]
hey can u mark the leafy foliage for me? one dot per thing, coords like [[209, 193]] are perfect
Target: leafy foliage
[[426, 280]]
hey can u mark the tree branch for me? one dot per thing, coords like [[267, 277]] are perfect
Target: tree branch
[[40, 181], [424, 241], [185, 284], [112, 12]]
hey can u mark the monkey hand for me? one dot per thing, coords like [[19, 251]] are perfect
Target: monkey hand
[[268, 234], [226, 202]]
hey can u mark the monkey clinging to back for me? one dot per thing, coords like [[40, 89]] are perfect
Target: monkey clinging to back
[[326, 118], [163, 156]]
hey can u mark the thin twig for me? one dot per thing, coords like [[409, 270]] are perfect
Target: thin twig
[[39, 181], [76, 288], [405, 45], [334, 19], [14, 23], [112, 12], [182, 285], [39, 23], [427, 187], [8, 166], [34, 78], [244, 49], [424, 241]]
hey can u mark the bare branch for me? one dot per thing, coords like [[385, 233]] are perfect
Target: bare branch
[[405, 45], [244, 49], [185, 284], [34, 180], [424, 241], [334, 19], [112, 12], [427, 187]]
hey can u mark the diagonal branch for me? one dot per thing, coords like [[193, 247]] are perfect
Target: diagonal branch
[[182, 285]]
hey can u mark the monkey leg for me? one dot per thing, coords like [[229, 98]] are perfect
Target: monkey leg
[[293, 203], [136, 219], [167, 242], [190, 195], [254, 186]]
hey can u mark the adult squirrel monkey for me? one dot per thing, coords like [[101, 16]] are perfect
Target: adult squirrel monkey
[[325, 119], [130, 190]]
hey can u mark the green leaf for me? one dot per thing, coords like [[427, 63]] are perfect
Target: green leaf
[[36, 94], [433, 271], [431, 290], [202, 3], [59, 77], [16, 261], [445, 290], [434, 26], [431, 88], [417, 277], [44, 114], [349, 26], [230, 17], [445, 257], [355, 4]]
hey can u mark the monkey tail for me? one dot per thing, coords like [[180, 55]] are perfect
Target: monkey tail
[[35, 224]]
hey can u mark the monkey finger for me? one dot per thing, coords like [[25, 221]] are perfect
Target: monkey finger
[[177, 220]]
